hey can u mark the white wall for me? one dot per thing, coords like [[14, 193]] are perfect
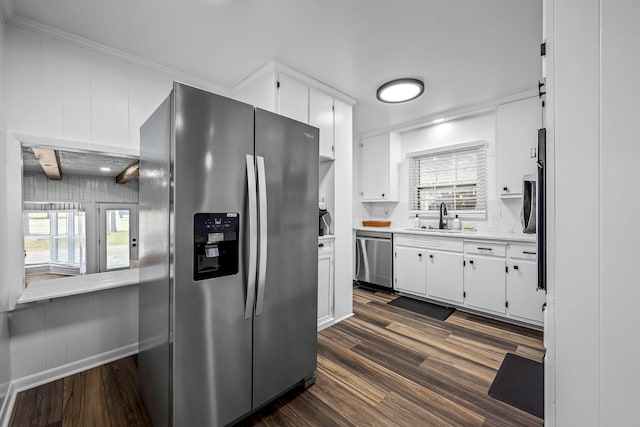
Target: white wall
[[594, 98], [503, 214], [5, 356], [72, 96], [48, 335]]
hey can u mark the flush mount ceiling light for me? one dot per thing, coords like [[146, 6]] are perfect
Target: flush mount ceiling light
[[400, 90]]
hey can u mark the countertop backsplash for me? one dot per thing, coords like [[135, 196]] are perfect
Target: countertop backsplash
[[503, 215]]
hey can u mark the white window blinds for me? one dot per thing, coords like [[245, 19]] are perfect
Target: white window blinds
[[456, 177]]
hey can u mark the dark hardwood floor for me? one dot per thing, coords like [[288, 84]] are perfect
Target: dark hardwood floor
[[102, 396], [383, 367]]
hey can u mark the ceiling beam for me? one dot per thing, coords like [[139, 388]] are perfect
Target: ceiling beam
[[131, 172], [50, 162]]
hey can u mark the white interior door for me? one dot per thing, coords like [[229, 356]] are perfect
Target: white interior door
[[118, 235]]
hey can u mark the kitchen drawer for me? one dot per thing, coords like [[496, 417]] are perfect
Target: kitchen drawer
[[485, 248], [522, 251], [430, 242], [325, 245]]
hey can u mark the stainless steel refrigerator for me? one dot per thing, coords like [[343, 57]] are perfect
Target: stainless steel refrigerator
[[229, 263]]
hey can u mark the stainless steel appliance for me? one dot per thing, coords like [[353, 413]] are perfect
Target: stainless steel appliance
[[373, 258], [324, 220], [229, 262]]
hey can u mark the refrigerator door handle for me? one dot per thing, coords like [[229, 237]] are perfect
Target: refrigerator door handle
[[253, 237], [262, 227]]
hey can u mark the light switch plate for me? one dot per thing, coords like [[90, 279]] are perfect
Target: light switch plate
[[533, 152]]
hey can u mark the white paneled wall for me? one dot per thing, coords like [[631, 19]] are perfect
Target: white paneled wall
[[5, 294], [48, 335], [77, 188], [57, 90], [503, 214]]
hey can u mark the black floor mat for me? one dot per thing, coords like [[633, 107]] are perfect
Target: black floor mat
[[421, 307], [520, 383]]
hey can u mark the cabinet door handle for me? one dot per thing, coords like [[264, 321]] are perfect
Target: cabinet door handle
[[321, 245], [528, 252], [382, 194], [505, 188], [485, 249], [430, 256], [420, 255], [515, 267], [470, 261]]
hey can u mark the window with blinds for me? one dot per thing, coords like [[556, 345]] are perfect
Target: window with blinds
[[455, 176]]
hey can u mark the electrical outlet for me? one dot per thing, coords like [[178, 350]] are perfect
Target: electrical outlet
[[495, 213]]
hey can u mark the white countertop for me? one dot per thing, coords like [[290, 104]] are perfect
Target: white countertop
[[464, 234], [74, 285]]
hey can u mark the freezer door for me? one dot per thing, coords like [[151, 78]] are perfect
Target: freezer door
[[285, 323], [212, 338]]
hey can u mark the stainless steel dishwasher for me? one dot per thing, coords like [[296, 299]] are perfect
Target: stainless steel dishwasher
[[373, 258]]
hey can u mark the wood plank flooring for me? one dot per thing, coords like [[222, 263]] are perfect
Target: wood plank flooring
[[103, 396], [390, 367], [383, 367]]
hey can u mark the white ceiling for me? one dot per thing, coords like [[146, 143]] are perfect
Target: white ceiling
[[467, 51]]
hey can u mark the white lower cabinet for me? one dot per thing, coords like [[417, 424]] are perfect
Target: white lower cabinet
[[484, 283], [409, 270], [325, 283], [445, 276], [525, 300], [497, 278]]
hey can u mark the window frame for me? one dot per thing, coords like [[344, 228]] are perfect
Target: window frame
[[481, 181], [55, 265]]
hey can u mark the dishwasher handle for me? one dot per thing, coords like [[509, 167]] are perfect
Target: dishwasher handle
[[357, 259], [379, 239]]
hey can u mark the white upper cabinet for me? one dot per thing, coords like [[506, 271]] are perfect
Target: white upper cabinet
[[321, 115], [293, 98], [517, 141], [379, 160], [283, 90]]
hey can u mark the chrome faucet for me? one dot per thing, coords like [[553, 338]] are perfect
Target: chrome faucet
[[443, 213]]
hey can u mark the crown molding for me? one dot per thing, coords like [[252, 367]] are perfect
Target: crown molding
[[72, 39], [273, 69], [449, 115], [6, 10]]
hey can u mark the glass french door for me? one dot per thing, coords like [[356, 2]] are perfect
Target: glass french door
[[118, 235]]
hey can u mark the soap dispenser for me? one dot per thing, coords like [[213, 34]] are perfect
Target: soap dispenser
[[416, 222], [457, 225]]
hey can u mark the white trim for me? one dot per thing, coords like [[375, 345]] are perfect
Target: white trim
[[7, 10], [326, 324], [45, 290], [7, 406], [276, 67], [75, 145], [453, 114], [66, 37], [48, 375], [447, 148], [342, 318]]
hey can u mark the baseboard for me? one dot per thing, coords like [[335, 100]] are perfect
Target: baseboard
[[342, 318], [58, 372], [7, 406]]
